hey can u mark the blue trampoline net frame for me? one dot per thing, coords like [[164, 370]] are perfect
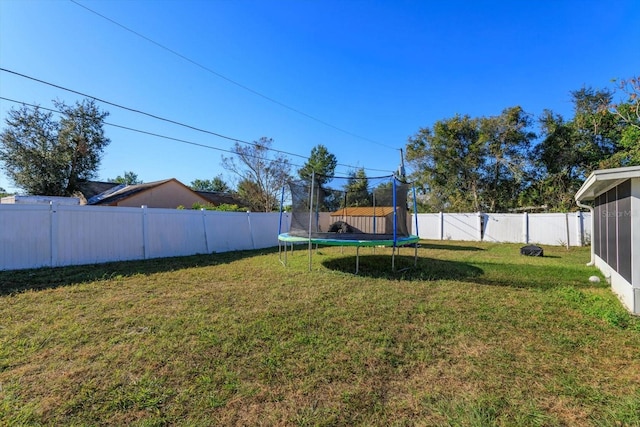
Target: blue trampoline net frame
[[353, 211]]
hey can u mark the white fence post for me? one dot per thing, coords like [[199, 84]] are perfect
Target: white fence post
[[204, 229], [145, 232], [53, 233], [579, 229], [566, 223], [479, 227], [441, 224], [253, 243], [525, 228]]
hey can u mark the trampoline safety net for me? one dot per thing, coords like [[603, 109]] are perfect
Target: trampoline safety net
[[353, 208]]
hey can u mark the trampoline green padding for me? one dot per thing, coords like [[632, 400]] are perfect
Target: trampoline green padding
[[351, 240]]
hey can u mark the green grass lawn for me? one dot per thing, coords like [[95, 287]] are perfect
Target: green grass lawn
[[476, 335]]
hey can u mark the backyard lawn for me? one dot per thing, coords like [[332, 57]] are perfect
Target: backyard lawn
[[476, 335]]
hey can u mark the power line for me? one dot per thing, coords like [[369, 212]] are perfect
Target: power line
[[167, 120], [197, 144], [157, 135], [240, 85]]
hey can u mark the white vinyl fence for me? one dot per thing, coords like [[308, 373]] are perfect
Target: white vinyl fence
[[33, 236], [558, 229]]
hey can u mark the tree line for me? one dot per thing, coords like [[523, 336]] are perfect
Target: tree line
[[498, 163], [515, 161]]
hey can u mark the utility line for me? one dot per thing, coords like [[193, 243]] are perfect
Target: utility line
[[240, 85], [197, 144], [165, 119], [157, 135]]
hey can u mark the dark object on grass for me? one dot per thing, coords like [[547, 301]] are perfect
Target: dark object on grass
[[340, 227], [531, 250]]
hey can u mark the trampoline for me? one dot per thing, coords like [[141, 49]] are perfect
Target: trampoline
[[361, 212]]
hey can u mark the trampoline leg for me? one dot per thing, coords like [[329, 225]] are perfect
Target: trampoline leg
[[357, 258], [393, 259]]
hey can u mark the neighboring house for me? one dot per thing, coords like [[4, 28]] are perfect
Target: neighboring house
[[40, 200], [89, 189], [168, 193], [615, 240]]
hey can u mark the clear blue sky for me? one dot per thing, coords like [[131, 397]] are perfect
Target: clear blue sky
[[369, 73]]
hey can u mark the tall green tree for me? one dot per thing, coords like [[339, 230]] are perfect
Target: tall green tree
[[129, 178], [472, 164], [321, 162], [569, 150], [559, 165], [217, 184], [357, 189], [446, 160], [264, 176], [45, 156], [598, 131], [506, 141], [628, 112]]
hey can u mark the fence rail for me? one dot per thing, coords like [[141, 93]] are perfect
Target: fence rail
[[54, 235]]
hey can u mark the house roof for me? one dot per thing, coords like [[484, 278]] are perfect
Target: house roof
[[89, 189], [218, 198], [122, 191], [602, 180], [378, 211]]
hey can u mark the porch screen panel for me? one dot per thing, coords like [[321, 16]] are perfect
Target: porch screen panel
[[596, 235], [612, 217], [624, 230]]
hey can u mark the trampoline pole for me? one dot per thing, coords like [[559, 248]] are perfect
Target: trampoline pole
[[395, 213], [393, 259], [313, 179], [417, 233], [281, 209]]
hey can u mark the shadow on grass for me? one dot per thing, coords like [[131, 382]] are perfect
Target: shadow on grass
[[529, 276], [446, 247], [428, 269], [49, 278]]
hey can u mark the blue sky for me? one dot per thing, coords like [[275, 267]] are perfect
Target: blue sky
[[357, 76]]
